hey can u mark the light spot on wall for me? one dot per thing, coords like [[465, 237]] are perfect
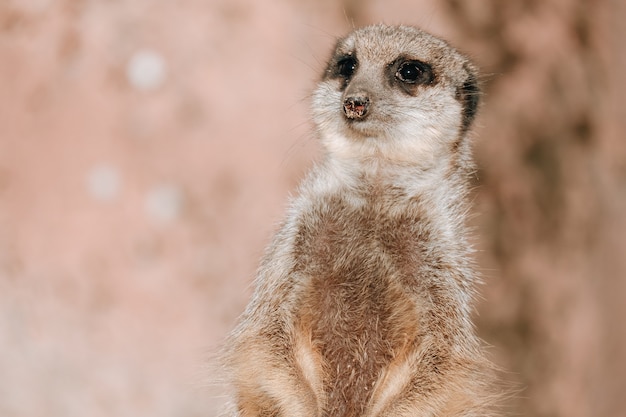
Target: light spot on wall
[[164, 203], [103, 182], [146, 70]]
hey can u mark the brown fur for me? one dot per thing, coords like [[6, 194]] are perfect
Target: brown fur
[[362, 302]]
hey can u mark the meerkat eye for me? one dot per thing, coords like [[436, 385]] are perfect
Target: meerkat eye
[[346, 66], [414, 72]]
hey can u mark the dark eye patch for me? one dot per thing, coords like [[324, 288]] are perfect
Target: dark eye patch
[[409, 74], [346, 66], [414, 72]]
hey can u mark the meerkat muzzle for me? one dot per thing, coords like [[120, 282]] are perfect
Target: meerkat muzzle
[[356, 107]]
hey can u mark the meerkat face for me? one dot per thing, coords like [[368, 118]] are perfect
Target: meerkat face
[[394, 92]]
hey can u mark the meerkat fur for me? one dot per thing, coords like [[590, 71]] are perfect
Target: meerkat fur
[[362, 303]]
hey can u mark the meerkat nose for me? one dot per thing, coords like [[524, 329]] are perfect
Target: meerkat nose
[[355, 107]]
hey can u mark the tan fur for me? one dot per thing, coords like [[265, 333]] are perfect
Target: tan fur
[[362, 302]]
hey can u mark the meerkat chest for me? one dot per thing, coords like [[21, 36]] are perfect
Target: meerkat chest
[[357, 305]]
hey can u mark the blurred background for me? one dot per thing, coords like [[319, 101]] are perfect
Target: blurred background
[[148, 148]]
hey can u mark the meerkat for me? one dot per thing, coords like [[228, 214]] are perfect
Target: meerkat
[[362, 302]]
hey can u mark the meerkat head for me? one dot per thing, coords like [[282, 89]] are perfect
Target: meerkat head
[[396, 93]]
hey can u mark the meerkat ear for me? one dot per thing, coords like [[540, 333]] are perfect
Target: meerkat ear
[[469, 95]]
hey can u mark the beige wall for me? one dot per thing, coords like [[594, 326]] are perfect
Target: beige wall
[[147, 149]]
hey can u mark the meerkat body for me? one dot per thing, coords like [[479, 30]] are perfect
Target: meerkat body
[[362, 302]]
